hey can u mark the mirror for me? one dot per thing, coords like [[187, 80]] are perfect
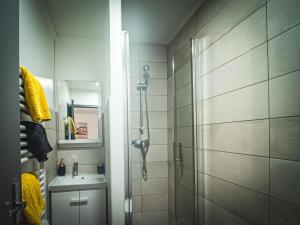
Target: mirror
[[79, 113]]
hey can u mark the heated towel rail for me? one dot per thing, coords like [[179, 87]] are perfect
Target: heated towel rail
[[42, 180], [25, 155]]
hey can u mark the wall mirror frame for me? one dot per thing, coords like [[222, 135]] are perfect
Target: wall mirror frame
[[80, 117]]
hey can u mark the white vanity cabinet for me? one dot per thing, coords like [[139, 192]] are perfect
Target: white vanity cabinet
[[93, 207], [82, 207]]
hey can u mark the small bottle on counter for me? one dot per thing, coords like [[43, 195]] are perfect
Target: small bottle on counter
[[101, 168], [61, 171]]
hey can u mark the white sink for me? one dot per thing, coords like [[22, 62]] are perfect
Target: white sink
[[80, 182]]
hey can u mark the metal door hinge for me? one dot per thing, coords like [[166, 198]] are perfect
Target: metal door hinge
[[177, 148], [18, 207]]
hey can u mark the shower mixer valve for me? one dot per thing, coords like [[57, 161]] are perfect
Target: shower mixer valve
[[141, 144]]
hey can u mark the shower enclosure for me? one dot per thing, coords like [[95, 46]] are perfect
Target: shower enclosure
[[142, 140], [185, 147], [235, 117], [186, 88]]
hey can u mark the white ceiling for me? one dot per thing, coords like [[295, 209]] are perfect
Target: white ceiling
[[79, 18], [156, 20], [147, 20]]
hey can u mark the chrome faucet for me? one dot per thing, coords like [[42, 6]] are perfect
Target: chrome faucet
[[75, 169]]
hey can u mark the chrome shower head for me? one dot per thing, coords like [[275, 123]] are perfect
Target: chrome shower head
[[146, 69]]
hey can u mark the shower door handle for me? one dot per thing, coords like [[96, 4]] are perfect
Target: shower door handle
[[177, 148]]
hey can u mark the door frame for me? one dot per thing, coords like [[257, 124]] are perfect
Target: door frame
[[10, 160]]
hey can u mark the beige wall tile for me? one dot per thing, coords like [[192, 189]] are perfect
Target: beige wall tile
[[157, 69], [156, 119], [248, 171], [155, 103], [247, 137], [136, 204], [284, 95], [82, 156], [157, 153], [136, 187], [284, 180], [154, 202], [248, 34], [284, 138], [249, 205], [283, 213], [223, 22], [155, 186], [248, 69], [183, 75], [157, 169], [216, 215], [155, 217], [245, 104], [284, 53], [282, 15], [136, 219], [183, 96]]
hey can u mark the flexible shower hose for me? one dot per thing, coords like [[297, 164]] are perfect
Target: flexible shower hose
[[145, 149]]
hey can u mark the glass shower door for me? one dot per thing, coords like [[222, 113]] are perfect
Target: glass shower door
[[184, 147]]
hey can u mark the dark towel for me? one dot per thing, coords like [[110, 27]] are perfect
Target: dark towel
[[37, 140]]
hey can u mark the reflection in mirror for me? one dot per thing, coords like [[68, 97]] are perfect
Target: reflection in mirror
[[80, 111]]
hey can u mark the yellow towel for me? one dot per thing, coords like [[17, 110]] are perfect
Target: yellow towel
[[32, 196], [35, 97], [72, 125]]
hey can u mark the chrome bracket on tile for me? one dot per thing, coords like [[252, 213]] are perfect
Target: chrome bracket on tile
[[177, 148]]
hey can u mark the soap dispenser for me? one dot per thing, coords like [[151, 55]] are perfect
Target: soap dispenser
[[61, 168]]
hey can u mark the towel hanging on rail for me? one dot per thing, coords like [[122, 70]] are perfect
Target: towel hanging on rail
[[35, 97], [37, 141], [32, 196]]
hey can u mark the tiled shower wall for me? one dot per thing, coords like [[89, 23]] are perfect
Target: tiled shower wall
[[250, 61], [150, 199]]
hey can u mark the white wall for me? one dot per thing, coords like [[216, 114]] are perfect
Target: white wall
[[117, 180], [36, 53], [79, 59], [105, 77], [37, 36]]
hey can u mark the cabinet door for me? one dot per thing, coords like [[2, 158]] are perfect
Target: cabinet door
[[65, 208], [93, 207]]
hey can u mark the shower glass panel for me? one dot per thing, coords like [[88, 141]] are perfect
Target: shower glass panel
[[184, 147], [126, 100]]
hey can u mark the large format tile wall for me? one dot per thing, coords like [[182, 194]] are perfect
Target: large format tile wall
[[250, 61], [87, 158], [150, 198]]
